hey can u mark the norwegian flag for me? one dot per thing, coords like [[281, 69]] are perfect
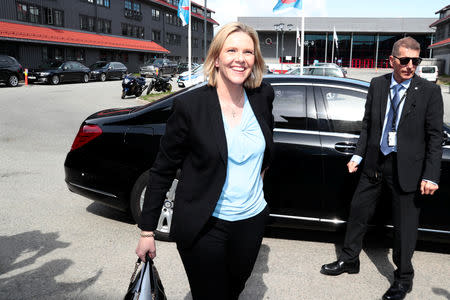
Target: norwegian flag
[[285, 5], [183, 11]]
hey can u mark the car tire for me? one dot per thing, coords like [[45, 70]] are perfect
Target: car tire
[[54, 80], [167, 87], [162, 231], [13, 80], [85, 78], [103, 77]]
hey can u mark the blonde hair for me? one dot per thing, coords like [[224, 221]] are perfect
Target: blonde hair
[[255, 78]]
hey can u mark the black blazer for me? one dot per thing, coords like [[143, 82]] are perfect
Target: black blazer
[[419, 133], [195, 141]]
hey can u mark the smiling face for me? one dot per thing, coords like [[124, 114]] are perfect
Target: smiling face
[[403, 72], [236, 59]]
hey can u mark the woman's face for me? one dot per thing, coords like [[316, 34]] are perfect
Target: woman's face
[[236, 59]]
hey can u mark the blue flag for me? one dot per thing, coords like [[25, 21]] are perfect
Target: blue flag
[[183, 11], [285, 5]]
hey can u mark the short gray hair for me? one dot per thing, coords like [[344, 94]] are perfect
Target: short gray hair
[[406, 42]]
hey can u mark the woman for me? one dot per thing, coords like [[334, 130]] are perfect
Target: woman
[[220, 135]]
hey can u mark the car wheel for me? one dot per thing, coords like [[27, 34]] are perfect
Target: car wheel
[[168, 87], [13, 80], [85, 78], [54, 80], [162, 231], [103, 77]]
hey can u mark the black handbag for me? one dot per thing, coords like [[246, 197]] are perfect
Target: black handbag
[[145, 285]]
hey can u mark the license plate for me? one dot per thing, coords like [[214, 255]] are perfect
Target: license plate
[[31, 77]]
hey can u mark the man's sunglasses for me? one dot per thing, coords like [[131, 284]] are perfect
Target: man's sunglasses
[[405, 60]]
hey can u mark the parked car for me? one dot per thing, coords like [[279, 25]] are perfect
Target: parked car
[[317, 123], [104, 70], [318, 71], [164, 66], [55, 72], [183, 67], [428, 72], [333, 65], [197, 77], [11, 71]]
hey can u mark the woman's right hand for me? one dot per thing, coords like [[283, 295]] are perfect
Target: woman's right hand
[[146, 245]]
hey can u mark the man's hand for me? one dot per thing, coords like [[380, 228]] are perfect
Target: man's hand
[[428, 188], [352, 166]]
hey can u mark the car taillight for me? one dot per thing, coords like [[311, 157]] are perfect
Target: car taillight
[[86, 134]]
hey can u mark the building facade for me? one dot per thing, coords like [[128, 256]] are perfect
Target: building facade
[[361, 42], [441, 47], [130, 31]]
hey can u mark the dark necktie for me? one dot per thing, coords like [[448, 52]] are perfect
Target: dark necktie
[[390, 118]]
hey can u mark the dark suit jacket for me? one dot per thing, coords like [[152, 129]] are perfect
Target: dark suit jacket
[[419, 133], [195, 141]]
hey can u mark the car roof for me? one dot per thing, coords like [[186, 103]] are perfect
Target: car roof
[[316, 79]]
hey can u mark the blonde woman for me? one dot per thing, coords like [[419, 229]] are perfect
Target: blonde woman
[[220, 136]]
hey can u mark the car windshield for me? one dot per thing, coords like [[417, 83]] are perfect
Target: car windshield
[[51, 65], [99, 65], [149, 61], [428, 70], [158, 61]]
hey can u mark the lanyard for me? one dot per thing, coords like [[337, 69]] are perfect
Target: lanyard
[[395, 109]]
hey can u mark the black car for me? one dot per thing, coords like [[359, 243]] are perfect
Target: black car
[[11, 71], [164, 66], [55, 72], [317, 124], [183, 67], [103, 70]]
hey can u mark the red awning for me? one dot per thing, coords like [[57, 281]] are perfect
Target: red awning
[[442, 43], [32, 33]]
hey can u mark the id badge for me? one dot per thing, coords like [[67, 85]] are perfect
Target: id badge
[[392, 139]]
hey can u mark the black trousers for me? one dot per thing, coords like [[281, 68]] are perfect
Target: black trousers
[[405, 215], [222, 258]]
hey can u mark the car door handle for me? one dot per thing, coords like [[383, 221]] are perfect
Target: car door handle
[[345, 147]]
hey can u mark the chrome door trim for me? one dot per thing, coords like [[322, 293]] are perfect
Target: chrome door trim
[[93, 190], [337, 221]]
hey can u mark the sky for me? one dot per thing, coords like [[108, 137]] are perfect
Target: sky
[[228, 10]]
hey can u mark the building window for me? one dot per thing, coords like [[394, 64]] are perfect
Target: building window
[[77, 54], [34, 14], [22, 12], [195, 43], [58, 18], [156, 35], [155, 14], [195, 25], [103, 26], [104, 3], [133, 10], [173, 39], [87, 23], [133, 31]]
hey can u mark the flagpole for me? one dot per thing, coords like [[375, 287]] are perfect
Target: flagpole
[[302, 45], [332, 49], [296, 43], [189, 44]]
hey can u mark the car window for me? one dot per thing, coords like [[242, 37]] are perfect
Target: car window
[[67, 66], [317, 71], [345, 109], [333, 72], [428, 70], [289, 106]]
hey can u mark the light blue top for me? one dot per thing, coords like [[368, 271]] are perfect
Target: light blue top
[[242, 194]]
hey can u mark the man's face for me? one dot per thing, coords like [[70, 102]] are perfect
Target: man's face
[[403, 72]]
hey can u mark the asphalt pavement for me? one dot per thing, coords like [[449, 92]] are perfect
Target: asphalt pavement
[[57, 245]]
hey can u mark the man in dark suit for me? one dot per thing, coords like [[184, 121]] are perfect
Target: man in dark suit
[[399, 148]]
